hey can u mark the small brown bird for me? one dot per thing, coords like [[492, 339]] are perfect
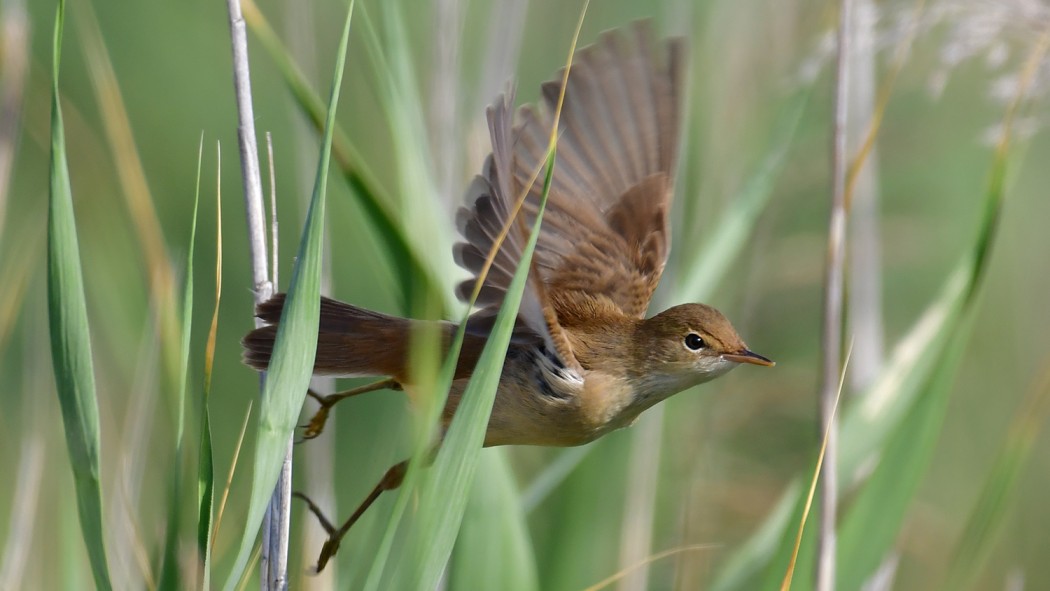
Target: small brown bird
[[584, 360]]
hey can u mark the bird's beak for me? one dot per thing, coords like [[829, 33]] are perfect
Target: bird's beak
[[746, 356]]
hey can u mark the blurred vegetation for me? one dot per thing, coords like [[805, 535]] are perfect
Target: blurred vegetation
[[718, 459]]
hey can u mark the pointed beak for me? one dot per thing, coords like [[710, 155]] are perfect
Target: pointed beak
[[746, 356]]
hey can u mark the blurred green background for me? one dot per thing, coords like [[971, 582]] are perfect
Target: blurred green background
[[709, 466]]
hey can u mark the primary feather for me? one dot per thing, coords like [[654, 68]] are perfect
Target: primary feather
[[605, 238]]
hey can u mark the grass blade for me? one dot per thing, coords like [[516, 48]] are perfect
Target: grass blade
[[494, 527], [206, 464], [871, 526], [229, 476], [295, 347], [408, 257], [70, 340], [790, 572], [406, 118], [444, 490], [900, 417], [205, 499], [918, 388], [865, 430], [169, 576], [448, 482]]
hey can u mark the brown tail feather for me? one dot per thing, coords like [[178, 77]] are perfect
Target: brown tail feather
[[353, 341]]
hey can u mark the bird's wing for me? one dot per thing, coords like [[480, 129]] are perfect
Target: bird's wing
[[604, 236]]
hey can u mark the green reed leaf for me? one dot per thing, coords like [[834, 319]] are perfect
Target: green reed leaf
[[292, 363], [896, 424], [446, 487], [407, 256], [494, 527], [70, 335], [170, 571]]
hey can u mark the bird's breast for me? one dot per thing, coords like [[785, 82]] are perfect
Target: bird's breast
[[540, 401]]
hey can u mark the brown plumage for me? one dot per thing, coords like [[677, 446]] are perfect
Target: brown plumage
[[604, 230], [353, 341], [584, 360]]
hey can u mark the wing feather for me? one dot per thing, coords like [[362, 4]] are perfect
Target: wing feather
[[605, 234]]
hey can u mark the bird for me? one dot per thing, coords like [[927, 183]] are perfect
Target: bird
[[584, 358]]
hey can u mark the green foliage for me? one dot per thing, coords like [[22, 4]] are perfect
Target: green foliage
[[940, 447], [70, 337], [407, 256], [493, 528], [292, 363], [445, 489], [169, 578]]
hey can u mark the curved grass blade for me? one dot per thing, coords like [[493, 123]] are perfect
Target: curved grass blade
[[206, 464], [870, 528], [871, 525], [900, 418], [645, 562], [450, 478], [494, 527], [403, 106], [138, 199], [295, 348], [865, 429], [169, 575], [444, 491], [908, 391], [70, 339], [406, 256]]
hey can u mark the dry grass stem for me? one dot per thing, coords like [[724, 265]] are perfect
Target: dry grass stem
[[831, 342], [790, 572], [277, 522], [647, 561], [229, 477]]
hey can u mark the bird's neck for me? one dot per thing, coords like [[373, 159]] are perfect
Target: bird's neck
[[604, 344]]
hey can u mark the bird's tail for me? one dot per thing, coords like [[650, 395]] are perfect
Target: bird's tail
[[351, 341]]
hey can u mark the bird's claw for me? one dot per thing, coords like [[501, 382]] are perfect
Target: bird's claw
[[331, 545], [316, 424]]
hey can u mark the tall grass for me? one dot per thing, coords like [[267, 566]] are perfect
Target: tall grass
[[941, 457], [70, 339], [288, 377]]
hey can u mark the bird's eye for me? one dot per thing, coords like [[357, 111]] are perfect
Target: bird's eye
[[694, 342]]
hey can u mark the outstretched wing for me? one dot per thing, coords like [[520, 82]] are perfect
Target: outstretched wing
[[605, 235]]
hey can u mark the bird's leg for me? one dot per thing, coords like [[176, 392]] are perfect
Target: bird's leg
[[316, 424], [390, 481]]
